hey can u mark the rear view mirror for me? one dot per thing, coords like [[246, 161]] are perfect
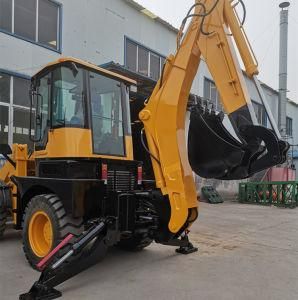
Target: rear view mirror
[[5, 149]]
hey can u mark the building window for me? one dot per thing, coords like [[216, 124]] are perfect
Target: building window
[[4, 88], [154, 66], [21, 120], [143, 60], [14, 109], [34, 20], [21, 113], [260, 113], [289, 129], [6, 15], [211, 94], [25, 18], [131, 56], [4, 106], [21, 92], [3, 124], [48, 27]]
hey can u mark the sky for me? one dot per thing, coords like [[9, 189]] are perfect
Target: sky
[[262, 28]]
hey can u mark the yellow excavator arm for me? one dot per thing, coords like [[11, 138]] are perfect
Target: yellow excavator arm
[[213, 152]]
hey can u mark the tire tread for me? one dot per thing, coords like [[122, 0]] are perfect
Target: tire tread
[[64, 223]]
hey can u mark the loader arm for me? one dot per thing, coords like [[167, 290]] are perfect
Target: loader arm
[[214, 24], [15, 165]]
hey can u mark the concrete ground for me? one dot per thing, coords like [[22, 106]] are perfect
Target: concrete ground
[[245, 252]]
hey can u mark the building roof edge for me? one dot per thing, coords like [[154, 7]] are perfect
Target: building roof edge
[[151, 15]]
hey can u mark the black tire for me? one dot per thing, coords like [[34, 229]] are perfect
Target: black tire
[[62, 224], [134, 243], [3, 219]]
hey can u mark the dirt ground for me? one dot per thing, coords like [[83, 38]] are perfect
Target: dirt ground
[[245, 252]]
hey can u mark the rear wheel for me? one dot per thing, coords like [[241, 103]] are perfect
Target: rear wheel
[[134, 243], [3, 219], [45, 225]]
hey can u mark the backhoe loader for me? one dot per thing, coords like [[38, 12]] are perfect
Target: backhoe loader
[[82, 189]]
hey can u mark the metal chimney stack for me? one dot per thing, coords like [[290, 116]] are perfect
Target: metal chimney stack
[[283, 68]]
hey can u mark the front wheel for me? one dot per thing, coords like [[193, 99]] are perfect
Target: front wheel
[[45, 225]]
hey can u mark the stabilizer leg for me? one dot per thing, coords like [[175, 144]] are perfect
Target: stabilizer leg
[[188, 247], [86, 252]]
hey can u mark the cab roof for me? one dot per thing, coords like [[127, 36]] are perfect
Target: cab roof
[[87, 65]]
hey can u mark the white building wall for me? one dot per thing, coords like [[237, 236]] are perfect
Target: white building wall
[[95, 30], [272, 99], [92, 30], [292, 109]]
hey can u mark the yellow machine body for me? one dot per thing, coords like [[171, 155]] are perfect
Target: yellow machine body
[[76, 142]]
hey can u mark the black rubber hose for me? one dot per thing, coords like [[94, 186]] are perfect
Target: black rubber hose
[[244, 12], [145, 147], [203, 15]]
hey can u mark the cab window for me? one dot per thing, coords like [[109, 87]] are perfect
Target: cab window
[[106, 115]]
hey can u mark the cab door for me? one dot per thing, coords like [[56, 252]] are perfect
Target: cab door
[[42, 112]]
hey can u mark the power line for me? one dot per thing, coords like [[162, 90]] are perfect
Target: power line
[[269, 47], [265, 29], [293, 19]]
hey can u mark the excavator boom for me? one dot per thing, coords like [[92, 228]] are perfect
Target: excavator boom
[[212, 151]]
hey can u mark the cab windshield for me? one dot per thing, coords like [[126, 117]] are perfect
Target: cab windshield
[[68, 107]]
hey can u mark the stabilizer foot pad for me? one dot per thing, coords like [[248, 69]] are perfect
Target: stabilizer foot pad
[[39, 292], [187, 249]]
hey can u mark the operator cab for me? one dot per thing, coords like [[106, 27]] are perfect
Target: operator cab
[[80, 110]]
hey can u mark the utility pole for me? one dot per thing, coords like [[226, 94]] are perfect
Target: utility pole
[[283, 68]]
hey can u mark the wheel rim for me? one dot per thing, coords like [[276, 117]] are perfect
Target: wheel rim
[[40, 234]]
